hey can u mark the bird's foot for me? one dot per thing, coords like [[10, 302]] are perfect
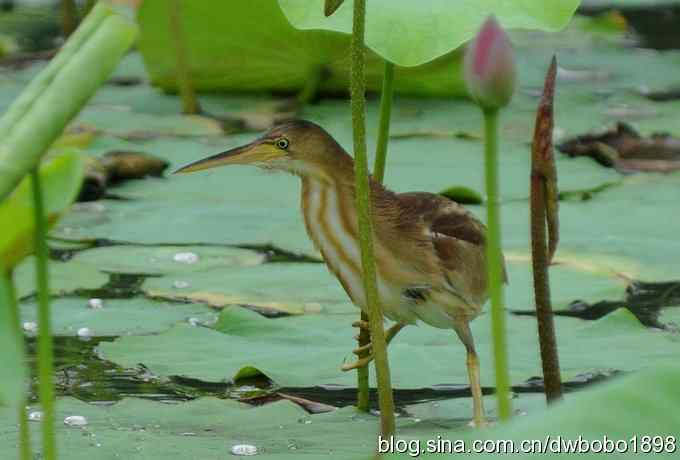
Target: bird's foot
[[361, 324], [359, 363], [365, 352], [480, 423], [368, 348]]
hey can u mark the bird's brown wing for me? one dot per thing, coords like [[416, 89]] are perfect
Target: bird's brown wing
[[459, 242]]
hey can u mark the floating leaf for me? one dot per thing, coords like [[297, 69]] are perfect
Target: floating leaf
[[463, 195], [308, 350], [632, 407]]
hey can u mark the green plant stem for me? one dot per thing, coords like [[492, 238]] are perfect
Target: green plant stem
[[386, 96], [69, 17], [358, 102], [363, 398], [24, 432], [25, 452], [378, 174], [190, 103], [494, 264], [45, 346]]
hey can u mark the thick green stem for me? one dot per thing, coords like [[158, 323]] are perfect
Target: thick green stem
[[44, 108], [45, 346], [495, 263], [386, 97], [190, 103], [24, 432], [357, 90]]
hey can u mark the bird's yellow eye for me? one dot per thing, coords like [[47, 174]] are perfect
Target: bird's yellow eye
[[282, 143]]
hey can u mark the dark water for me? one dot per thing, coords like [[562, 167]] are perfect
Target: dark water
[[82, 374]]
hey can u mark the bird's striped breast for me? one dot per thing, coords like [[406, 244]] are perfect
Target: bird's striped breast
[[330, 218], [327, 213]]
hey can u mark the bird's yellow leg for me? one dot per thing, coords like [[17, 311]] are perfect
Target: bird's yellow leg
[[462, 328], [477, 402], [389, 335]]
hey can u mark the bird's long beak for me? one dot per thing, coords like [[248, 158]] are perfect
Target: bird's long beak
[[255, 153]]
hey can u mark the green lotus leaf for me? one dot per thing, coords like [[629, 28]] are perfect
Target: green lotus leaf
[[411, 33]]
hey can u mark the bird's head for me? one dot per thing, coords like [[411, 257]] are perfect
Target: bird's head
[[299, 147]]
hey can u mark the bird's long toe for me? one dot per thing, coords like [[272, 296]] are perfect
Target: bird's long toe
[[363, 349], [361, 324], [359, 363]]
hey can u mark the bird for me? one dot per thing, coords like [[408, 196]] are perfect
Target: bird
[[430, 251]]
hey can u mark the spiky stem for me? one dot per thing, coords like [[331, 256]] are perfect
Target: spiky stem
[[358, 101], [494, 263], [45, 346], [378, 174], [544, 314], [544, 207]]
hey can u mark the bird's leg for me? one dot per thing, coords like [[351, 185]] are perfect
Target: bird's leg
[[462, 328], [389, 335]]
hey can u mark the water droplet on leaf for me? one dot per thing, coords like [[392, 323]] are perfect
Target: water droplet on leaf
[[186, 258], [180, 284], [95, 304], [84, 333], [75, 420], [243, 449]]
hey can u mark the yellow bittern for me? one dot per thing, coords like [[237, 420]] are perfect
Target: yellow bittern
[[429, 250]]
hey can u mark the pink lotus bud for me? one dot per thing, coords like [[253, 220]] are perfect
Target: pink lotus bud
[[490, 66]]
